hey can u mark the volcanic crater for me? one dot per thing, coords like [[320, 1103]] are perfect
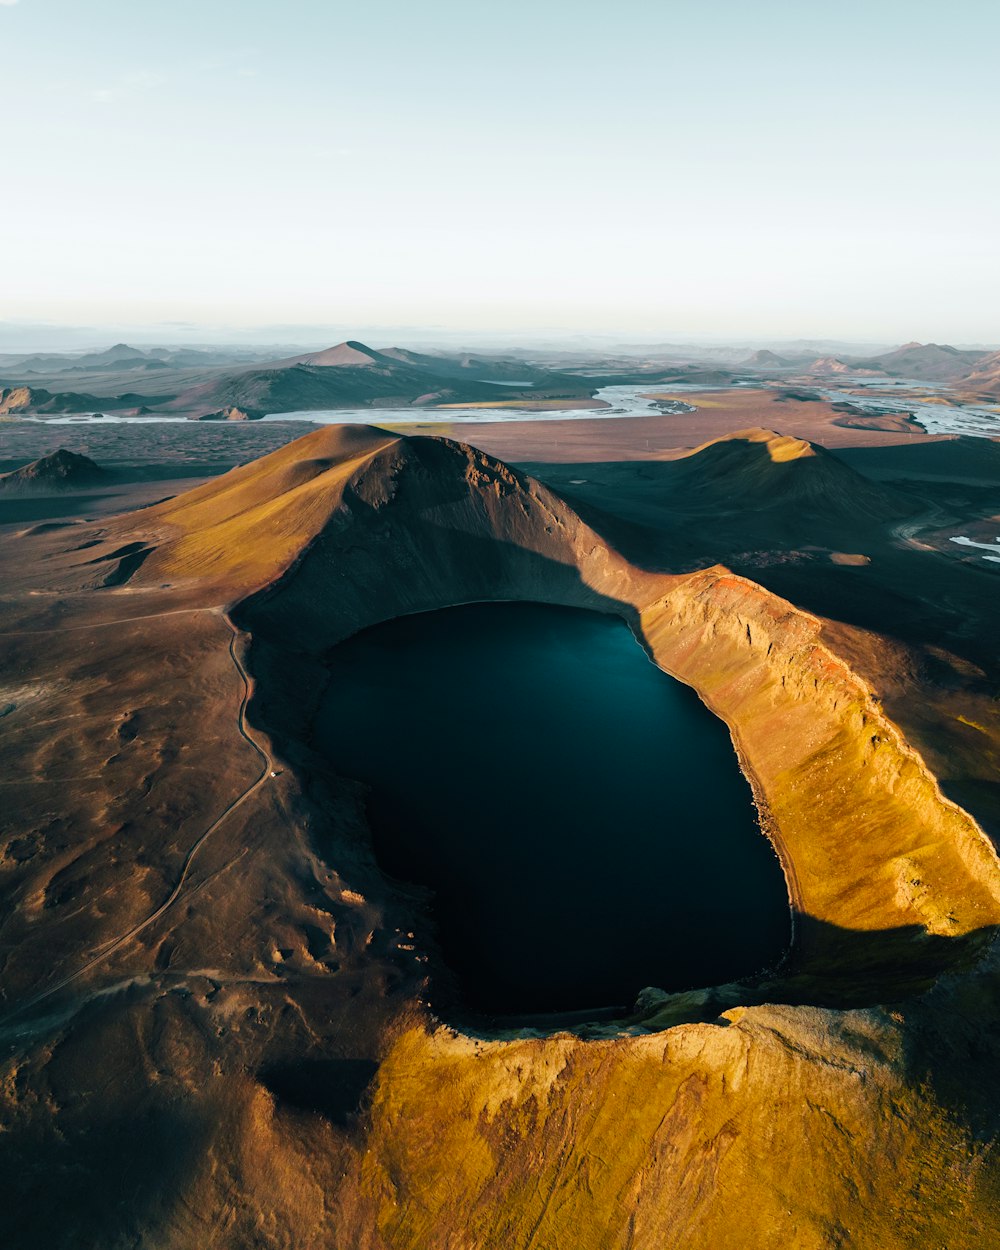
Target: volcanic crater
[[364, 527], [220, 923]]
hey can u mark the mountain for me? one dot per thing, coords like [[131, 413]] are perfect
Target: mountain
[[483, 368], [265, 514], [925, 362], [292, 508], [468, 367], [347, 355], [766, 359], [310, 388], [231, 413], [347, 375], [120, 356], [830, 364], [353, 375], [48, 363], [985, 376], [760, 470], [61, 469], [15, 399], [35, 399]]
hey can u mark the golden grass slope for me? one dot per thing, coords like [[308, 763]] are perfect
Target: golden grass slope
[[249, 526]]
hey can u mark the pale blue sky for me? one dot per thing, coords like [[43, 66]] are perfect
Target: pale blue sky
[[777, 168]]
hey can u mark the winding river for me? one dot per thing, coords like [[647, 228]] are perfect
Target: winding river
[[622, 401], [978, 420]]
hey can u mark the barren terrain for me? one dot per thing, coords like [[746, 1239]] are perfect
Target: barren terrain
[[216, 1026]]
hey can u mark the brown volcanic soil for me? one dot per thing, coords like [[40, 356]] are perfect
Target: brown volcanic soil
[[210, 1003]]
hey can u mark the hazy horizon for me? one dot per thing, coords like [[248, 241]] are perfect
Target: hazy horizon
[[666, 173], [30, 338]]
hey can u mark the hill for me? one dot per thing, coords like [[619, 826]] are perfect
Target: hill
[[347, 355], [766, 359], [925, 362], [280, 513], [352, 354], [831, 364], [255, 521], [248, 527], [121, 356], [465, 367], [62, 469], [985, 376], [481, 368], [353, 375], [348, 375], [231, 413], [309, 388], [32, 399], [769, 472]]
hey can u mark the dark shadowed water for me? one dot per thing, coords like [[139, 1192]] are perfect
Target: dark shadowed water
[[580, 816]]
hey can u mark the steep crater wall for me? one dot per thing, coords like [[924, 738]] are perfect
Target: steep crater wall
[[889, 881]]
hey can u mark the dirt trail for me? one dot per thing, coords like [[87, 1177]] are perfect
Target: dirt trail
[[121, 620], [122, 939]]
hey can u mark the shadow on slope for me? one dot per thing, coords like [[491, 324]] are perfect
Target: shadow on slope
[[333, 1088], [750, 492]]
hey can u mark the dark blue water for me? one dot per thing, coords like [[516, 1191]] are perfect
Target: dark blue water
[[580, 816]]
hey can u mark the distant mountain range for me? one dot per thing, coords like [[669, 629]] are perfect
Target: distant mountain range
[[120, 358], [926, 362], [766, 359], [965, 370], [198, 385], [352, 354], [985, 377], [351, 375], [17, 400], [212, 384]]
